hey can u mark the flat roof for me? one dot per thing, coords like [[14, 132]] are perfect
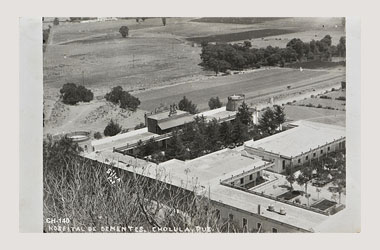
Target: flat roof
[[211, 168], [295, 141], [123, 139], [204, 174], [175, 122], [164, 115]]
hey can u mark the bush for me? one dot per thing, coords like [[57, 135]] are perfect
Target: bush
[[141, 125], [340, 98], [97, 135], [187, 105], [325, 97], [214, 103], [319, 106], [126, 100], [112, 129], [124, 31], [72, 94]]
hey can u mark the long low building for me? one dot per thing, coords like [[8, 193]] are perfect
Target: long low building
[[297, 145]]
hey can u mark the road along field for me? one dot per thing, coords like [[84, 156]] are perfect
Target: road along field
[[254, 84]]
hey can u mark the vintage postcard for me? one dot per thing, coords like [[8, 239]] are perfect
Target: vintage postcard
[[197, 125]]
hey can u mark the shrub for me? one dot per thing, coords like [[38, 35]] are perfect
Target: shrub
[[112, 129], [72, 94], [141, 125], [309, 105], [340, 98], [97, 135], [214, 103], [319, 106], [333, 89], [124, 31], [126, 100], [325, 97]]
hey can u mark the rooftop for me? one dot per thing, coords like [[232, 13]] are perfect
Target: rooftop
[[164, 115], [305, 136], [203, 174], [122, 139], [175, 122]]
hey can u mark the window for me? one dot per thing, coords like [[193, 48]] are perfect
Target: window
[[321, 151], [299, 160], [314, 154], [245, 222], [251, 177], [241, 180], [307, 157], [274, 230], [231, 217], [283, 164]]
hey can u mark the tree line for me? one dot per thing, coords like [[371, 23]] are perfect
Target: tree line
[[203, 137], [221, 57]]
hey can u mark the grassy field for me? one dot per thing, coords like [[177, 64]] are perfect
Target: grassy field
[[295, 113], [326, 103]]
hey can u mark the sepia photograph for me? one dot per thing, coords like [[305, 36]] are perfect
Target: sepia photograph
[[194, 124]]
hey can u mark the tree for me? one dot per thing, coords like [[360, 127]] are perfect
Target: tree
[[176, 148], [187, 105], [341, 47], [214, 103], [279, 115], [112, 129], [267, 123], [291, 179], [244, 115], [124, 31], [225, 133], [97, 135], [126, 100], [298, 46], [239, 132], [164, 21], [56, 21], [72, 94], [304, 177]]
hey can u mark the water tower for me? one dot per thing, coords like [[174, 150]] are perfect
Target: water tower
[[234, 102]]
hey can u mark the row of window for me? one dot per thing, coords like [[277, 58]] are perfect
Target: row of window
[[307, 157], [245, 223]]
